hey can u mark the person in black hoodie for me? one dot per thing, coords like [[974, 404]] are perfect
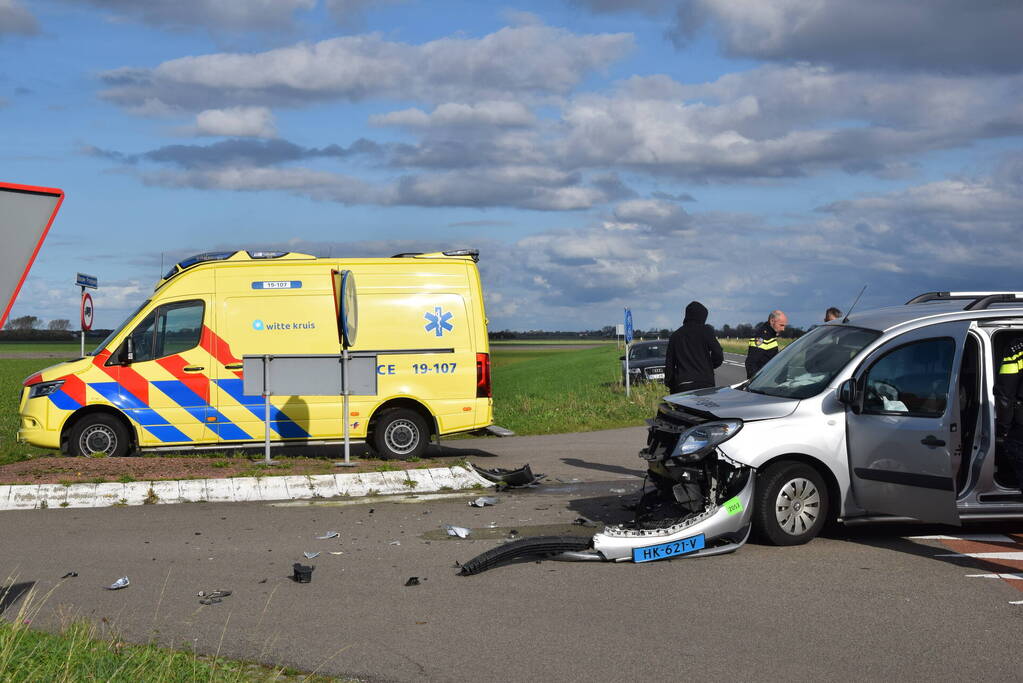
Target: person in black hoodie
[[693, 352]]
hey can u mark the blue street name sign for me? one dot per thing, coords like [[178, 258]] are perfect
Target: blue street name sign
[[628, 326], [89, 281]]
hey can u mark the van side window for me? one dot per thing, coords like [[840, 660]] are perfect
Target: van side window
[[169, 329], [911, 380]]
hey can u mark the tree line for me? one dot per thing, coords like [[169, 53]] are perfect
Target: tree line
[[743, 331], [31, 328]]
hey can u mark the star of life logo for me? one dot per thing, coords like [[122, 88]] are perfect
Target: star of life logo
[[438, 322]]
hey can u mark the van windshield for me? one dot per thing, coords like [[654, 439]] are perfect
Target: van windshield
[[806, 366], [131, 316]]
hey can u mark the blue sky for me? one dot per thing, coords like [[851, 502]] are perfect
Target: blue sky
[[750, 154]]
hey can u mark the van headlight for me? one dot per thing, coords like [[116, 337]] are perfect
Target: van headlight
[[44, 388], [703, 437]]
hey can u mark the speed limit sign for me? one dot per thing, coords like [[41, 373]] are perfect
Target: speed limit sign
[[87, 311]]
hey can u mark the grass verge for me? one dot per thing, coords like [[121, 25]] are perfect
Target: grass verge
[[79, 653]]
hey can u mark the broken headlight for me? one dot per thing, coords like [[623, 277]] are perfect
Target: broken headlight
[[702, 438]]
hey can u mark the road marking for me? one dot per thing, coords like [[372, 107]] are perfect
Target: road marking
[[988, 556], [1008, 577], [991, 538]]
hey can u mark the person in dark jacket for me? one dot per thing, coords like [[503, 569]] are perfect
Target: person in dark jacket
[[763, 345], [693, 352]]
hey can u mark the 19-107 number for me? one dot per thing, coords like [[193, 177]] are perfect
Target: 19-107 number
[[426, 368]]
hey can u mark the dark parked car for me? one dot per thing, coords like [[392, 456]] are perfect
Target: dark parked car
[[646, 361]]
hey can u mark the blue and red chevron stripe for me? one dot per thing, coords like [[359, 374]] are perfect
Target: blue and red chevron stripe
[[130, 392]]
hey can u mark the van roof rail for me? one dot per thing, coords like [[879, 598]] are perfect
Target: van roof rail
[[474, 254], [978, 300]]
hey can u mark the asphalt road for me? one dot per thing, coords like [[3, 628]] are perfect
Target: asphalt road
[[868, 603]]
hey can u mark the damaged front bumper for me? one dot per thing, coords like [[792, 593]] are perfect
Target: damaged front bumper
[[701, 502], [718, 529]]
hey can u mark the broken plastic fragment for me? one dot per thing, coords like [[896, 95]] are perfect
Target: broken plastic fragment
[[521, 477], [302, 573], [412, 581], [122, 582], [459, 531], [540, 547], [395, 543], [483, 501], [617, 490], [339, 552], [210, 601], [328, 535], [310, 556], [70, 575], [582, 521], [213, 594]]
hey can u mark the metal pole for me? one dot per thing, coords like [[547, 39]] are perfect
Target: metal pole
[[344, 388], [626, 370], [266, 410], [81, 323]]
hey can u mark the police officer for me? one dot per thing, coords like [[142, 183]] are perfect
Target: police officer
[[1008, 407], [763, 345]]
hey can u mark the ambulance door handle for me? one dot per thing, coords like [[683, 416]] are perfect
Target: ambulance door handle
[[194, 368], [234, 366]]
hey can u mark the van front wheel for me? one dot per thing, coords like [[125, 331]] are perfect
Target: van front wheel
[[98, 434], [791, 504], [400, 433]]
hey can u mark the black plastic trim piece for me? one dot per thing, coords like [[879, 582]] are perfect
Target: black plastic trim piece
[[924, 481]]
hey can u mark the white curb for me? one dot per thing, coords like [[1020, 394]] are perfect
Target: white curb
[[239, 489]]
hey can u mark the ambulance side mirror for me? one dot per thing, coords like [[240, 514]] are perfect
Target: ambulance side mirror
[[126, 354]]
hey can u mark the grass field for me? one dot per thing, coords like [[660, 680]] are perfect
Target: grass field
[[80, 652], [72, 349], [13, 372], [550, 391]]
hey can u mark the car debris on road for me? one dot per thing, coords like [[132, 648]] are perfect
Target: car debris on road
[[523, 476]]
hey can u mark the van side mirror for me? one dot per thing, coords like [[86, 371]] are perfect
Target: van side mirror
[[621, 357], [848, 395], [126, 354]]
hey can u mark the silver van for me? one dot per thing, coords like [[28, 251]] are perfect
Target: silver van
[[886, 414]]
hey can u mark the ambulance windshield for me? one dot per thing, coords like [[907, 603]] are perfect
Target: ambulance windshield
[[131, 316]]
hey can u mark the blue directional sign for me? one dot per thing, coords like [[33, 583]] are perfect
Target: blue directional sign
[[90, 281], [628, 326]]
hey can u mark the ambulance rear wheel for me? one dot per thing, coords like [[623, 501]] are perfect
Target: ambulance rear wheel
[[400, 433], [98, 434]]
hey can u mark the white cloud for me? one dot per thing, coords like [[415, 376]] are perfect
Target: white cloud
[[15, 19], [525, 61], [215, 15], [934, 35], [450, 114], [778, 121], [236, 122]]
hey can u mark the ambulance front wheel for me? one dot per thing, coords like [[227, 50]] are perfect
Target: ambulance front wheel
[[98, 434], [400, 433]]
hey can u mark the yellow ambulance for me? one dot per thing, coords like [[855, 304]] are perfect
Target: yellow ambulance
[[170, 377]]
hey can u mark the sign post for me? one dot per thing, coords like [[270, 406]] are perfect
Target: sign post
[[88, 311], [346, 308], [628, 340]]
